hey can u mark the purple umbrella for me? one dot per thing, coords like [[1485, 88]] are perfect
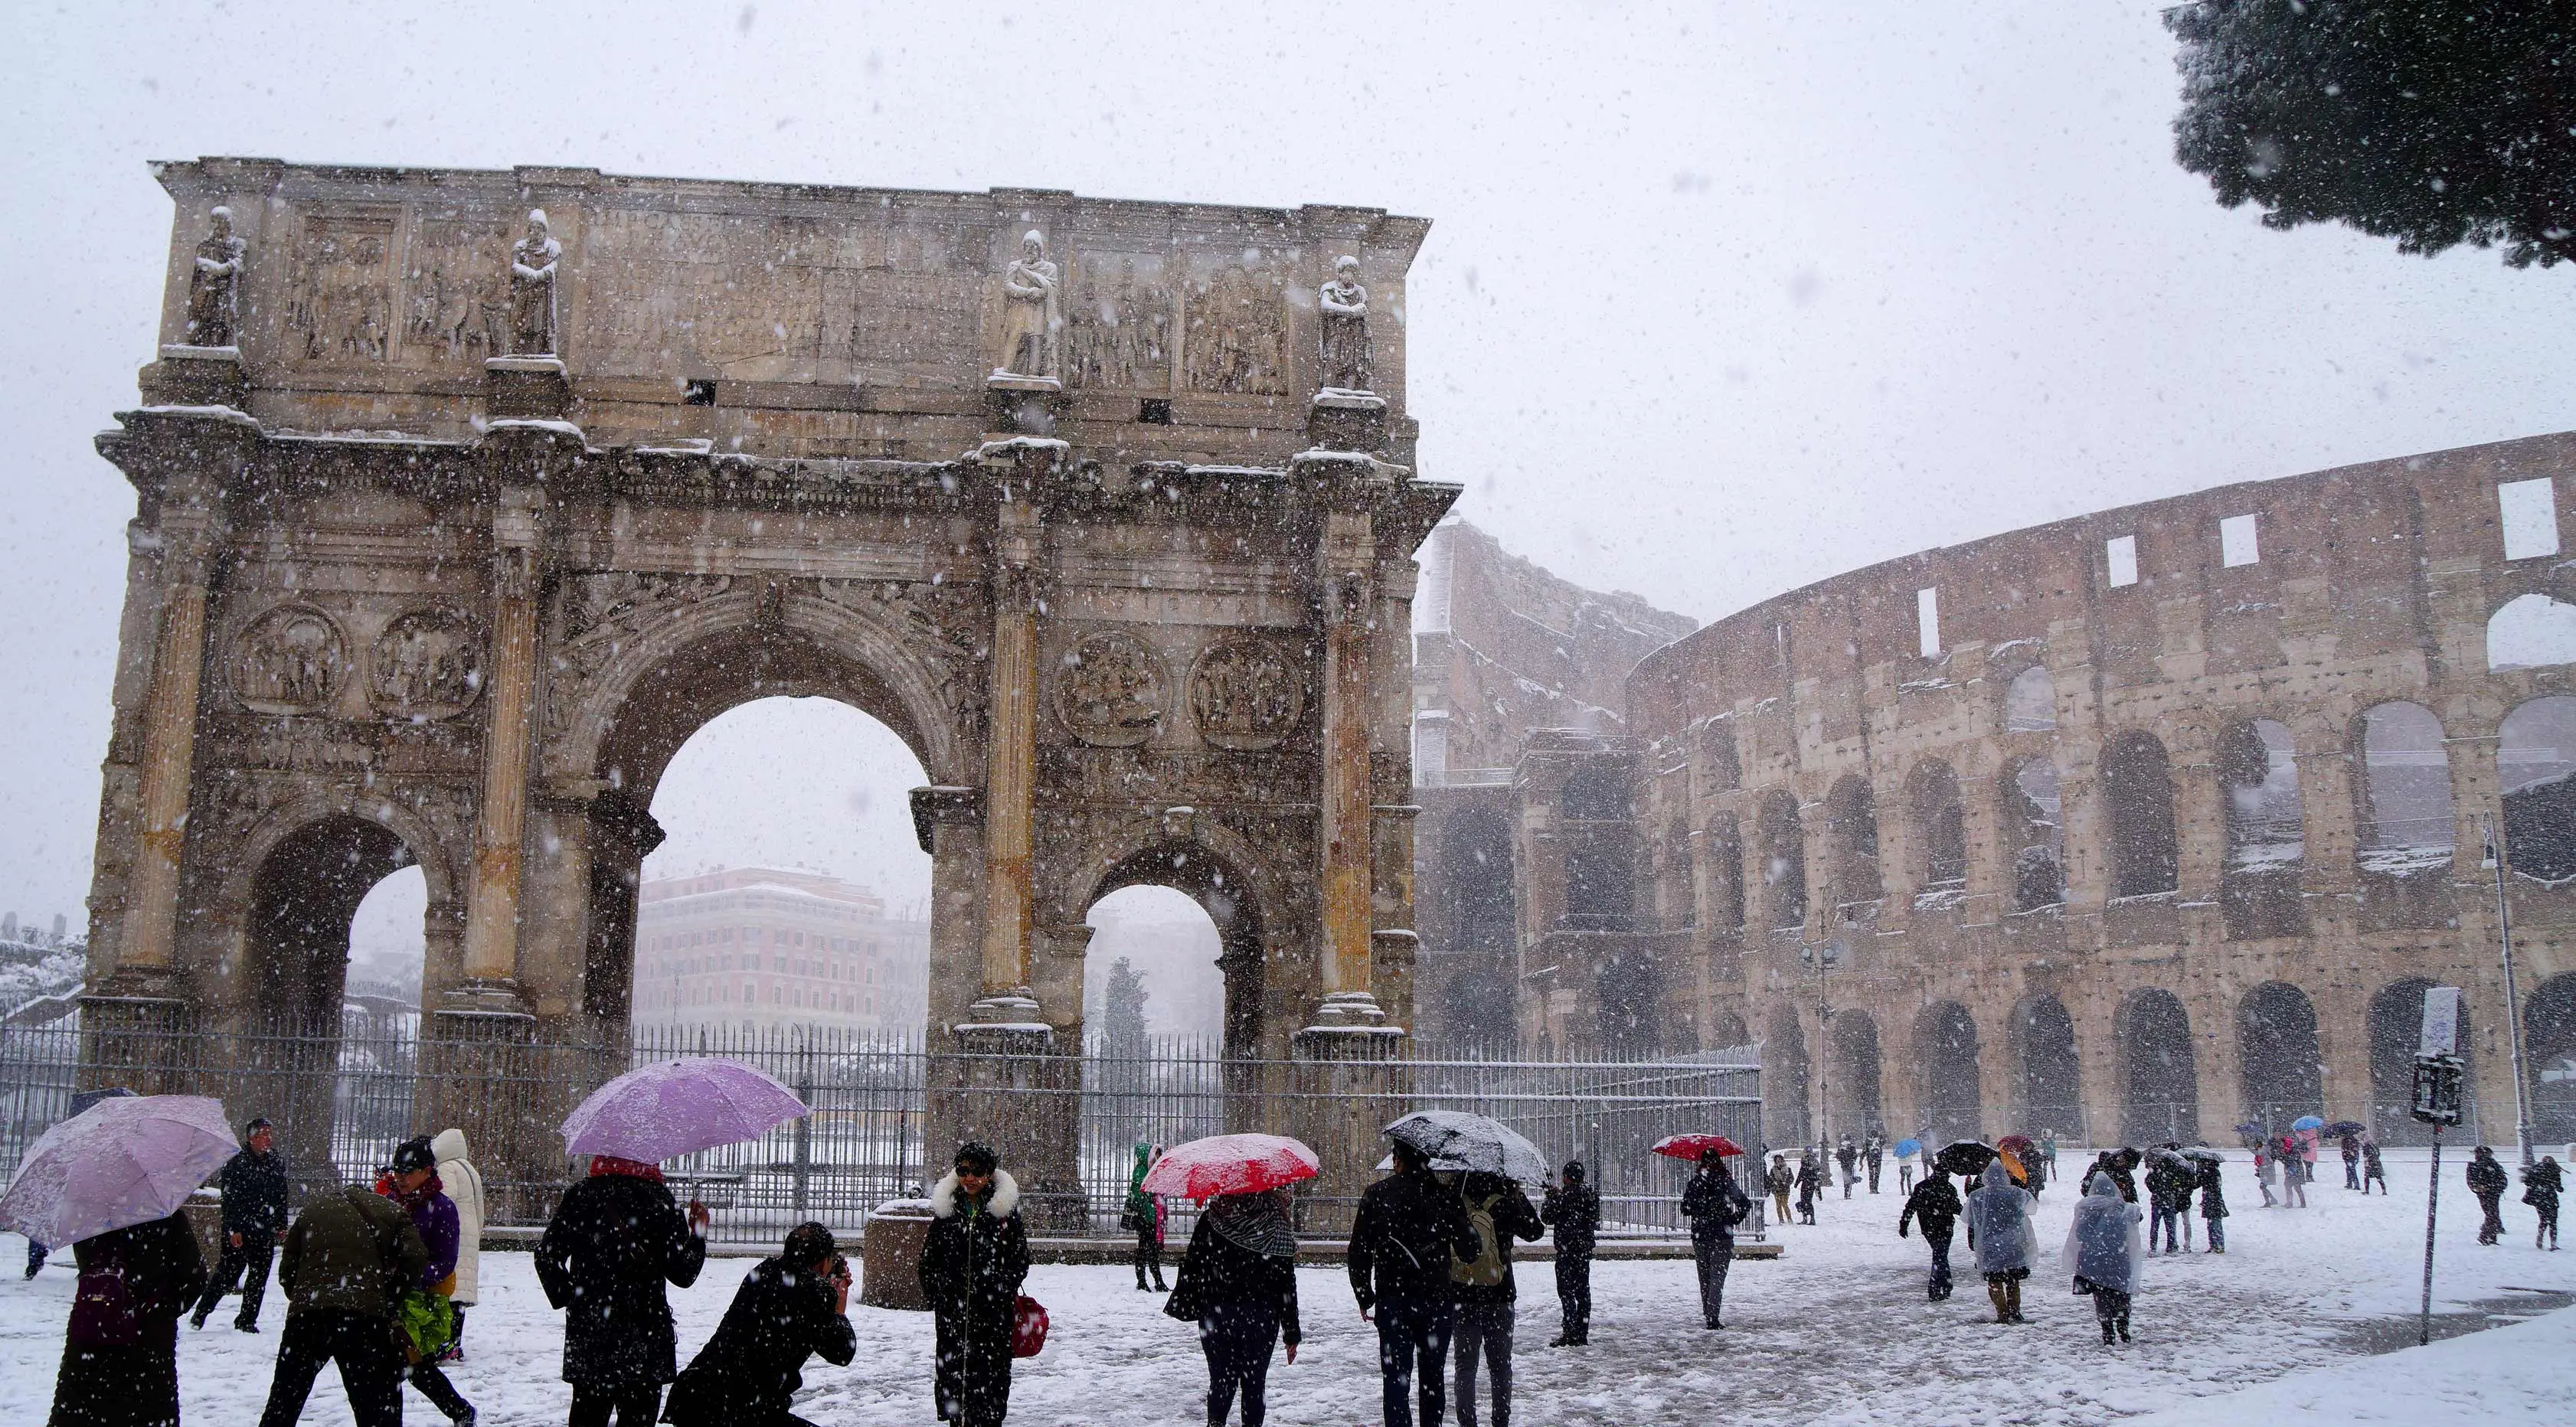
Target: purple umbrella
[[119, 1163], [675, 1107]]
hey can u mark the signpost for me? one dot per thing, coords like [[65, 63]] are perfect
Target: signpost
[[2436, 1103]]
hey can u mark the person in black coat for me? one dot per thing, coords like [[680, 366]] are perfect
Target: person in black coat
[[1487, 1295], [1574, 1210], [972, 1265], [1408, 1229], [1934, 1204], [121, 1351], [2120, 1164], [2213, 1204], [788, 1309], [616, 1239], [2487, 1181], [1239, 1280], [1714, 1207], [254, 1219], [2541, 1185]]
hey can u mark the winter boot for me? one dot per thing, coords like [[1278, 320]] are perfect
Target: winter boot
[[2106, 1332], [2124, 1327]]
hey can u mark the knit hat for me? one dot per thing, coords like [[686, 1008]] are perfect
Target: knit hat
[[414, 1153]]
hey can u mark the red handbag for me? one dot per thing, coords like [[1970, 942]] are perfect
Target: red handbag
[[1028, 1327]]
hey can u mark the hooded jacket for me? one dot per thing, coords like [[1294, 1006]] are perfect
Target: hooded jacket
[[613, 1243], [2103, 1249], [976, 1255], [1999, 1222], [464, 1186]]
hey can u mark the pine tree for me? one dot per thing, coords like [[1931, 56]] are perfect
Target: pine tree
[[1122, 1012]]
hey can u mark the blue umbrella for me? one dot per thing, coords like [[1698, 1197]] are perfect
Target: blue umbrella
[[1907, 1147], [2308, 1122]]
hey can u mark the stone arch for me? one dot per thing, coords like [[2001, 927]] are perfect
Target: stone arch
[[401, 837], [2258, 776], [2048, 1082], [1725, 854], [1854, 1086], [2549, 1040], [1851, 841], [2405, 803], [2536, 775], [1600, 840], [2276, 1033], [1213, 876], [2396, 1028], [2531, 631], [2137, 792], [1940, 824], [1473, 901], [2034, 824], [2162, 1079], [2030, 701], [1945, 1057], [1785, 1079], [1783, 850]]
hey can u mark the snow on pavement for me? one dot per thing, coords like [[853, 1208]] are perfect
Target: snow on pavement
[[1837, 1331]]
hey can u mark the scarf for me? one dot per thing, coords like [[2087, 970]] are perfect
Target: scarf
[[1257, 1222], [607, 1164]]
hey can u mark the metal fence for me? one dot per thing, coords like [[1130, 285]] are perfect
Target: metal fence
[[341, 1104]]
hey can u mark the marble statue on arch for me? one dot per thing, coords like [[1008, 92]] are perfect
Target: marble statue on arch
[[1344, 304], [532, 289], [214, 285], [1032, 314]]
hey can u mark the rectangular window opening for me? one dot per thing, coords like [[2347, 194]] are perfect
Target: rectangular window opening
[[1155, 411], [2529, 511], [2236, 542], [2122, 553], [1927, 622], [700, 391]]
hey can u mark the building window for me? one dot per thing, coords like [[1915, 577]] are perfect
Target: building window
[[1927, 622], [2529, 512], [2121, 553], [2236, 541]]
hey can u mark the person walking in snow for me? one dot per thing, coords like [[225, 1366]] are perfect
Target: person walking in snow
[[2350, 1144], [1847, 1154], [2295, 1173], [1934, 1205], [1811, 1184], [254, 1223], [789, 1308], [1714, 1207], [1872, 1154], [1409, 1227], [1143, 1216], [2540, 1188], [2487, 1181], [120, 1365], [463, 1185], [2104, 1255], [615, 1240], [1573, 1209], [2371, 1168], [972, 1265], [2213, 1205], [2048, 1150], [1780, 1181], [1905, 1174], [424, 1322], [1499, 1213], [1239, 1279], [2169, 1186], [347, 1256], [2000, 1232]]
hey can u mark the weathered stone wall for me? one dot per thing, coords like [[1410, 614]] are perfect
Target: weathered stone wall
[[1826, 777]]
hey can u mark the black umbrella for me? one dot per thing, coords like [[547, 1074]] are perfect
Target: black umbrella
[[1968, 1157], [2340, 1128], [2205, 1154]]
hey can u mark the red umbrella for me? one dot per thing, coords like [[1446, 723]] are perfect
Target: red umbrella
[[1693, 1146], [1231, 1164], [2018, 1146]]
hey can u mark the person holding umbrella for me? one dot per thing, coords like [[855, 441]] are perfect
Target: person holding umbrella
[[616, 1239], [1811, 1184], [972, 1266], [1239, 1281], [121, 1351], [2000, 1232], [2213, 1196], [1907, 1152], [1934, 1205], [1408, 1229], [2103, 1253], [2170, 1181], [2541, 1185], [1143, 1214], [789, 1308], [1714, 1207], [1487, 1293], [254, 1222], [1573, 1209]]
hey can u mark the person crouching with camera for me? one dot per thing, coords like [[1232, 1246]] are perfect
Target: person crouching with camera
[[788, 1308]]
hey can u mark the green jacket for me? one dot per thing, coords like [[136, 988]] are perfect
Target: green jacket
[[354, 1251]]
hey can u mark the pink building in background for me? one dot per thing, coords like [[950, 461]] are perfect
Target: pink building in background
[[762, 948]]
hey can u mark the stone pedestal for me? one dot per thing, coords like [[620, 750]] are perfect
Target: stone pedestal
[[890, 1247], [479, 1071], [1024, 406], [132, 1034], [197, 376], [1340, 420], [1349, 1070], [526, 389], [1020, 1092]]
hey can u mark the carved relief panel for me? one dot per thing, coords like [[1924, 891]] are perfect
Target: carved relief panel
[[1110, 691], [340, 306], [290, 660], [428, 664], [456, 290], [1120, 334], [1238, 331], [1247, 694]]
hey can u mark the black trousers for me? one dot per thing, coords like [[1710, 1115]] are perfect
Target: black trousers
[[1714, 1256], [370, 1366], [1237, 1338], [634, 1406], [1574, 1294], [2493, 1228], [1938, 1287], [252, 1256], [1413, 1341], [442, 1394], [1149, 1254]]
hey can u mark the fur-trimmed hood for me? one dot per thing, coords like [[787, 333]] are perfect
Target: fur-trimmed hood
[[1006, 1196]]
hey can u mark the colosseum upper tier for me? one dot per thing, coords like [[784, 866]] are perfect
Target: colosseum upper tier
[[2138, 826]]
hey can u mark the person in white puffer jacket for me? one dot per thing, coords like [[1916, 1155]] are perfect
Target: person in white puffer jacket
[[463, 1184]]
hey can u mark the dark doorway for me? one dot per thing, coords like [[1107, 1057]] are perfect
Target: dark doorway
[[1945, 1050], [2396, 1027], [2276, 1036], [2164, 1086], [2052, 1079], [1854, 1087]]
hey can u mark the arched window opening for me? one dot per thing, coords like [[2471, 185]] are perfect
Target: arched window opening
[[1628, 999], [2030, 702], [2549, 1040], [1943, 827], [1153, 1008], [1945, 1050], [386, 946], [2531, 632], [1725, 853], [2396, 1027], [2163, 1102], [1600, 846], [1469, 906], [2051, 1084], [2406, 792], [2035, 829], [1676, 890], [2535, 754], [1784, 860], [2276, 1029], [2266, 839], [1784, 1079], [1851, 832], [2137, 786], [1854, 1087]]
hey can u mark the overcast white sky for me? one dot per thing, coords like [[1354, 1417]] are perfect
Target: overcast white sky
[[1719, 299]]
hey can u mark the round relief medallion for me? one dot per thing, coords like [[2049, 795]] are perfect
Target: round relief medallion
[[287, 661], [1247, 694], [1110, 691], [428, 664]]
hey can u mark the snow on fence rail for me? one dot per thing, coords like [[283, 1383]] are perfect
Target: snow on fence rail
[[342, 1102]]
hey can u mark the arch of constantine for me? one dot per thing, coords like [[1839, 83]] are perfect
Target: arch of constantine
[[466, 497]]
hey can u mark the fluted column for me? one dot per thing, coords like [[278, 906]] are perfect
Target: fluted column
[[169, 753], [1010, 767], [492, 899], [1346, 573]]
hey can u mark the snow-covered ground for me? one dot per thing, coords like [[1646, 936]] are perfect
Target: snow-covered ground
[[1835, 1332]]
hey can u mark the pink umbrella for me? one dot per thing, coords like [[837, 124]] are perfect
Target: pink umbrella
[[1231, 1164], [675, 1107], [119, 1163]]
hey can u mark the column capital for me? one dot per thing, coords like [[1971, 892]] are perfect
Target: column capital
[[939, 806]]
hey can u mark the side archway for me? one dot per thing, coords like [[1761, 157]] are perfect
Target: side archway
[[1945, 1053], [2163, 1084], [2549, 1039], [2396, 1025], [2049, 1085], [1784, 1078], [2276, 1033], [1855, 1084]]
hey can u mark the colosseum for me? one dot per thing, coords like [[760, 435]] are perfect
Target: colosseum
[[2136, 826]]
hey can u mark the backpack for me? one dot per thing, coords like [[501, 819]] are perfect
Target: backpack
[[1487, 1268]]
